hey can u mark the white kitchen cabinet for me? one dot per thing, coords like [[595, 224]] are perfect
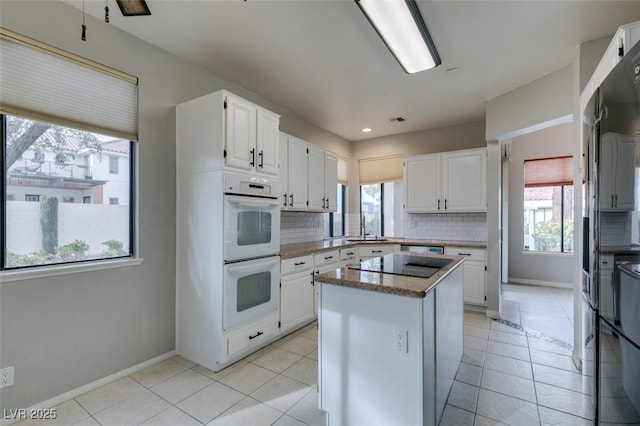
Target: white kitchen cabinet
[[422, 187], [464, 187], [324, 262], [309, 175], [252, 136], [617, 172], [316, 178], [297, 293], [348, 256], [330, 181], [297, 174], [475, 273], [222, 131], [448, 182], [606, 286], [369, 250]]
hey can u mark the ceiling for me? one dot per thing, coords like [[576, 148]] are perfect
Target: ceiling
[[323, 61]]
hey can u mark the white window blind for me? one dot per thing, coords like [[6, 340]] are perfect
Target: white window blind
[[44, 83], [342, 171], [382, 169]]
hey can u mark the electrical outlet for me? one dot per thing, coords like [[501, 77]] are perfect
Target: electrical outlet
[[400, 340], [6, 377]]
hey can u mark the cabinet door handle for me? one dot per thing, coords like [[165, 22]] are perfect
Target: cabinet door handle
[[612, 203], [438, 204], [261, 155], [445, 203], [464, 254], [376, 251], [328, 257], [299, 263], [258, 334], [285, 199], [605, 263], [253, 157], [350, 253], [290, 200], [327, 204], [616, 200]]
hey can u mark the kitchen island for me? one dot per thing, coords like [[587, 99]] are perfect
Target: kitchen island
[[389, 343]]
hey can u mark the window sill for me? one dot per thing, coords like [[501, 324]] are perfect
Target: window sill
[[50, 271], [547, 253]]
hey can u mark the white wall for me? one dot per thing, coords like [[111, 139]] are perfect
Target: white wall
[[556, 141], [66, 331]]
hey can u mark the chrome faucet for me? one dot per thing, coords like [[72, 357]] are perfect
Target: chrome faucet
[[363, 228]]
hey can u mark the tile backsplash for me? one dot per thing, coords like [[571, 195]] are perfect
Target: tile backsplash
[[300, 227], [615, 229], [449, 226]]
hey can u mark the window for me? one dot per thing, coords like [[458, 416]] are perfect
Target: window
[[113, 200], [334, 225], [64, 109], [113, 165], [548, 205], [378, 208]]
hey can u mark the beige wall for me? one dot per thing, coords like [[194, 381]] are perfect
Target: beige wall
[[543, 100], [524, 266]]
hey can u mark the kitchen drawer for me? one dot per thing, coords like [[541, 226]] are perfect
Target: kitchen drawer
[[296, 264], [252, 335], [470, 253], [325, 258], [349, 254], [373, 250], [606, 263]]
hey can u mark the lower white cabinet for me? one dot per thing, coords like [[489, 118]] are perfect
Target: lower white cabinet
[[348, 256], [475, 273], [297, 294], [369, 250]]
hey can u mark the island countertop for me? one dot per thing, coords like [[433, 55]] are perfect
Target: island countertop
[[391, 283]]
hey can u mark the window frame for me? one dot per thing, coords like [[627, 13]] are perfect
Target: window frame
[[382, 214], [79, 266], [562, 225], [342, 196]]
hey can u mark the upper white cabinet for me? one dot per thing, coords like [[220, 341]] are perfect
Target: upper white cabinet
[[224, 131], [446, 183], [309, 176], [296, 177], [617, 172], [252, 136]]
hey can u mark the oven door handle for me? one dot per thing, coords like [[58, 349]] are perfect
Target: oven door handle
[[253, 267], [252, 201]]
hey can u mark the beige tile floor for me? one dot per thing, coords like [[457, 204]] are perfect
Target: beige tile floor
[[506, 377]]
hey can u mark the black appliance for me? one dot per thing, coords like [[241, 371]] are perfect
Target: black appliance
[[611, 348], [403, 264]]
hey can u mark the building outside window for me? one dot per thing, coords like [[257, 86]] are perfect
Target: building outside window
[[86, 199], [31, 197], [68, 199], [113, 165], [548, 205], [113, 200]]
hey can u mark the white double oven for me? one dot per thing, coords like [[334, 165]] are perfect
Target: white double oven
[[251, 219]]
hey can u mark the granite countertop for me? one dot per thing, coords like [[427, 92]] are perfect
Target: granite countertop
[[389, 283], [620, 250], [311, 247]]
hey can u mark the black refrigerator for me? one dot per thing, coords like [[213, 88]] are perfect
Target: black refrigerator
[[611, 343]]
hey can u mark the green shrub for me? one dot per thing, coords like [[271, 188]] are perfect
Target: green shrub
[[49, 223], [114, 248]]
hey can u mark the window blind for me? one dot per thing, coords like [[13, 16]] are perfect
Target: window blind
[[381, 169], [548, 172], [44, 83], [342, 171]]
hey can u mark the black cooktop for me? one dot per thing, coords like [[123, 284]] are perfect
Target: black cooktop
[[403, 264]]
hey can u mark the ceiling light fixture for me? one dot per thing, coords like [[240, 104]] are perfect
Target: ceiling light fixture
[[133, 7], [400, 25], [366, 130]]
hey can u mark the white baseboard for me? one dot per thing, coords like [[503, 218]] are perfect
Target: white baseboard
[[540, 283], [57, 400]]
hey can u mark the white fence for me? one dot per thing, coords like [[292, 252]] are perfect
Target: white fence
[[91, 223]]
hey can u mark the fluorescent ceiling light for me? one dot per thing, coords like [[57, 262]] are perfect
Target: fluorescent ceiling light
[[401, 27]]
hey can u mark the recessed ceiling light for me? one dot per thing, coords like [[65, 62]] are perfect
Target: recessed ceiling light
[[366, 130]]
